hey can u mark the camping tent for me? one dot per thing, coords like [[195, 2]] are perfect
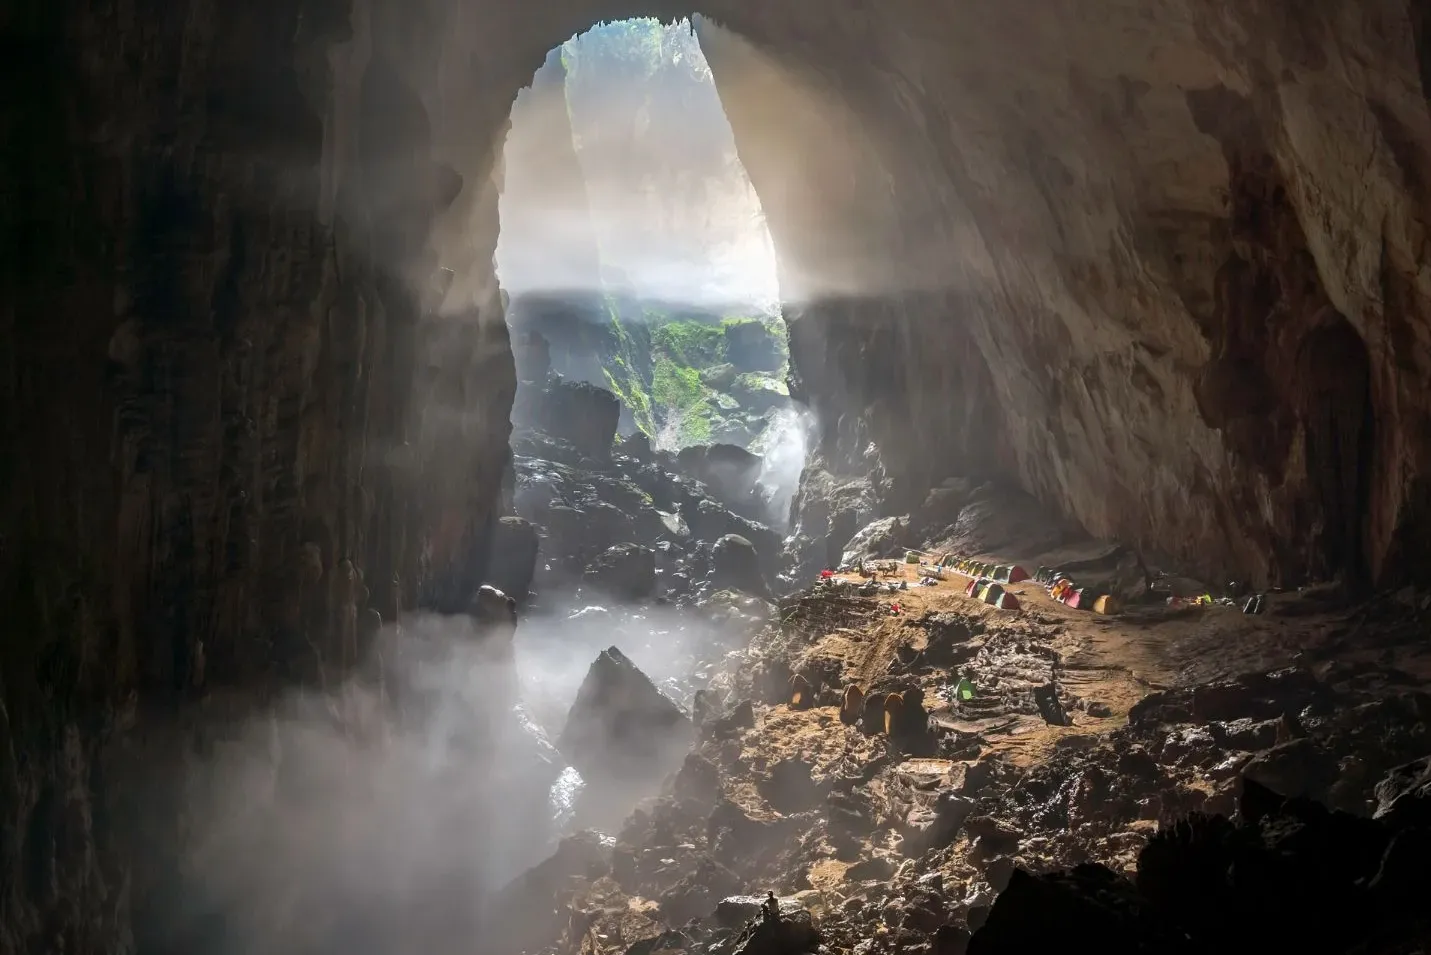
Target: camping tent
[[1007, 601], [1106, 604], [973, 587], [992, 592], [1075, 598]]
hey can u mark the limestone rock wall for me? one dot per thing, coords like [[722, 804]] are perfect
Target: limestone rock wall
[[1184, 240], [242, 425]]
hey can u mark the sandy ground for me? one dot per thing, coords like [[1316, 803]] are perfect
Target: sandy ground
[[1114, 659]]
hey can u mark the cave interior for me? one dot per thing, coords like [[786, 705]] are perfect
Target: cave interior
[[1159, 266]]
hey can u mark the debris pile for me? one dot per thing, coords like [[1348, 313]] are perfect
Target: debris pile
[[950, 779], [1288, 875]]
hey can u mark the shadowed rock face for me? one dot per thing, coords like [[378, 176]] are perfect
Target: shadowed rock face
[[1156, 263]]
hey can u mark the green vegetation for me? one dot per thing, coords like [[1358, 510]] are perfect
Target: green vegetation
[[759, 381], [668, 370], [628, 369], [693, 344], [683, 400]]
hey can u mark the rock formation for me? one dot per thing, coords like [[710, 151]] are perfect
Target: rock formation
[[621, 728]]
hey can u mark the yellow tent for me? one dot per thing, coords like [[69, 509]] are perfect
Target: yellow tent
[[1106, 604]]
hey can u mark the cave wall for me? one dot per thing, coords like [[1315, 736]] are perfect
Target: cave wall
[[1169, 252], [1184, 240], [242, 426]]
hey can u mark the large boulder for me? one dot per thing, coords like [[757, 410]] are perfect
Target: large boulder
[[621, 726], [577, 412], [1299, 767], [779, 930], [1404, 796], [887, 537], [625, 571], [735, 565], [709, 521], [730, 472]]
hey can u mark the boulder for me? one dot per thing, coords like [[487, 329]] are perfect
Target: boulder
[[709, 521], [1404, 796], [581, 413], [735, 565], [883, 538], [625, 571], [575, 535], [790, 787], [492, 608], [1288, 875], [730, 472], [720, 377], [621, 725], [1296, 768], [736, 910], [788, 931], [1040, 913]]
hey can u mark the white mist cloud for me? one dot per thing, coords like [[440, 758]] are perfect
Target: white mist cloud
[[378, 821]]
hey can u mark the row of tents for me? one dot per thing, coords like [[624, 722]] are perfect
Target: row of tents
[[1066, 592], [991, 592], [1000, 573], [989, 580]]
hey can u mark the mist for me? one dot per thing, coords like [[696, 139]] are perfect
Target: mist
[[379, 816], [784, 447], [620, 175]]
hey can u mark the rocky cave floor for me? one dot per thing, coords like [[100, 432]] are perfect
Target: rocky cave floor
[[915, 825]]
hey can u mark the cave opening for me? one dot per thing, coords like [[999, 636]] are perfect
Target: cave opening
[[633, 250], [640, 287]]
